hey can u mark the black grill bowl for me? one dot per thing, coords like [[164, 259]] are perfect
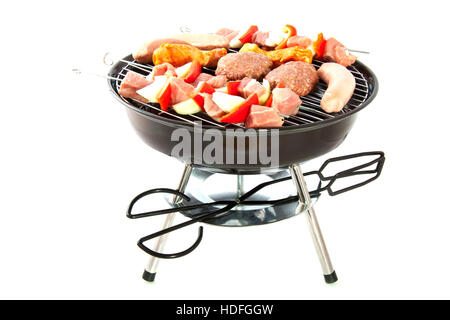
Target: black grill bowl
[[297, 144]]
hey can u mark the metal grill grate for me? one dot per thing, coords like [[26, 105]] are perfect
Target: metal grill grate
[[309, 112]]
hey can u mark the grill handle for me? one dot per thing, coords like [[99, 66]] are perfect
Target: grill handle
[[353, 171], [108, 59]]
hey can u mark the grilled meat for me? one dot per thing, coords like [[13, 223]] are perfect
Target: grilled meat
[[263, 117], [336, 52], [285, 101], [298, 76], [162, 69], [227, 33], [217, 81], [253, 86], [204, 41], [299, 41], [212, 109], [202, 77], [236, 66], [260, 38], [341, 84], [180, 90], [131, 83], [281, 55], [243, 84], [145, 53], [180, 54]]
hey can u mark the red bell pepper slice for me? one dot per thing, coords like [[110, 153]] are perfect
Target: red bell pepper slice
[[205, 87], [269, 101], [240, 113], [290, 32], [164, 96], [247, 36], [232, 87], [194, 71], [319, 46], [198, 98]]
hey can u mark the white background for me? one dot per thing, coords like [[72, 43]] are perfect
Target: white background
[[70, 161]]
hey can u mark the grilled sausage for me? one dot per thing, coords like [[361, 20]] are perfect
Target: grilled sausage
[[204, 41], [341, 84]]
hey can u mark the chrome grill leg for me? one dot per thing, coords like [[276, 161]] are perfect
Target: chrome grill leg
[[150, 270], [240, 185], [316, 234]]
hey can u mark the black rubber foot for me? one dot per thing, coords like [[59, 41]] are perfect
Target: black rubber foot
[[148, 276], [331, 278]]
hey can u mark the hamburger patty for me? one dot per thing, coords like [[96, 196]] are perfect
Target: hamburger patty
[[236, 66], [298, 76]]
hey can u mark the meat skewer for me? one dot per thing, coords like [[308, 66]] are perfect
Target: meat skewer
[[176, 85], [334, 51]]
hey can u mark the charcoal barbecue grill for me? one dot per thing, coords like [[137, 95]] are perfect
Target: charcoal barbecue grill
[[304, 136]]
